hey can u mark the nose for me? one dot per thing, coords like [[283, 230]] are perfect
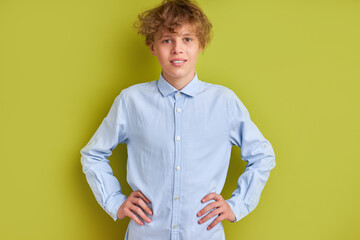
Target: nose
[[177, 47]]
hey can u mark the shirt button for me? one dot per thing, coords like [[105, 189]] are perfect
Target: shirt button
[[175, 226], [176, 198], [178, 109], [178, 94], [178, 138], [177, 168]]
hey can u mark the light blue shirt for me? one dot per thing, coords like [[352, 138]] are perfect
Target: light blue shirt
[[178, 145]]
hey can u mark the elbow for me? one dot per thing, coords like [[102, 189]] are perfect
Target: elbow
[[270, 161]]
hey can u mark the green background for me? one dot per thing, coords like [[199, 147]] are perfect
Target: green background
[[294, 64]]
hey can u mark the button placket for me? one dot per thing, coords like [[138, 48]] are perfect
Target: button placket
[[177, 169]]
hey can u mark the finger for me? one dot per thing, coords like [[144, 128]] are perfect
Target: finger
[[140, 212], [135, 218], [210, 196], [210, 215], [140, 202], [139, 193], [216, 221], [208, 208]]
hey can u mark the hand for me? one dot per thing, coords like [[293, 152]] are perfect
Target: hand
[[220, 207], [135, 203]]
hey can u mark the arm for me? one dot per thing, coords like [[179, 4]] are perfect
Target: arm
[[258, 153], [94, 159]]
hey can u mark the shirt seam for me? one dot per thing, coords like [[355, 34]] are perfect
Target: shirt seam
[[125, 117]]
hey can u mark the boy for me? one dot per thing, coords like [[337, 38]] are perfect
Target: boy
[[179, 132]]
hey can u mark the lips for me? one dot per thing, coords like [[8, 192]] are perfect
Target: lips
[[178, 61]]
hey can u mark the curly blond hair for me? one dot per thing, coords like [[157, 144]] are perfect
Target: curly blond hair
[[171, 14]]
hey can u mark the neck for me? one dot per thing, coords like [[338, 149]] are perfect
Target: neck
[[179, 83]]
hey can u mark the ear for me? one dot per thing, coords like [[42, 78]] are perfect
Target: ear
[[152, 48]]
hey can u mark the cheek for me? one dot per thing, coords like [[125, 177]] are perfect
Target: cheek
[[163, 54], [163, 61], [194, 56]]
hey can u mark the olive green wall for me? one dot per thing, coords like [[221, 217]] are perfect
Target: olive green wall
[[294, 64]]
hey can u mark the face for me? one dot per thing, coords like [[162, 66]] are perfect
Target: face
[[177, 53]]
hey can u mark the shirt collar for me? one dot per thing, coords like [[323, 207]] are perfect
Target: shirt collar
[[191, 89]]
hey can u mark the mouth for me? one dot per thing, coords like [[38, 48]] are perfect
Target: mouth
[[178, 62]]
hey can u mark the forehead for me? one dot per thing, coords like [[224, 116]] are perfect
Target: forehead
[[184, 30]]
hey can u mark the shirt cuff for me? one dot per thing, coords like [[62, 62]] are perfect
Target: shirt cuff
[[113, 205], [239, 208]]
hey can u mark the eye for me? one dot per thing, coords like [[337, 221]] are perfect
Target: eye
[[166, 41], [188, 39]]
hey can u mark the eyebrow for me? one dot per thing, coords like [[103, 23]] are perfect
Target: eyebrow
[[186, 34]]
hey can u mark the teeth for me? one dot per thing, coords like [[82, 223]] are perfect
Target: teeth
[[178, 61]]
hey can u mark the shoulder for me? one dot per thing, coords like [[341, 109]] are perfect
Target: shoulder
[[138, 90], [224, 94], [217, 90]]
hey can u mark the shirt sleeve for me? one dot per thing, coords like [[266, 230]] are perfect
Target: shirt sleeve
[[256, 151], [94, 159]]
